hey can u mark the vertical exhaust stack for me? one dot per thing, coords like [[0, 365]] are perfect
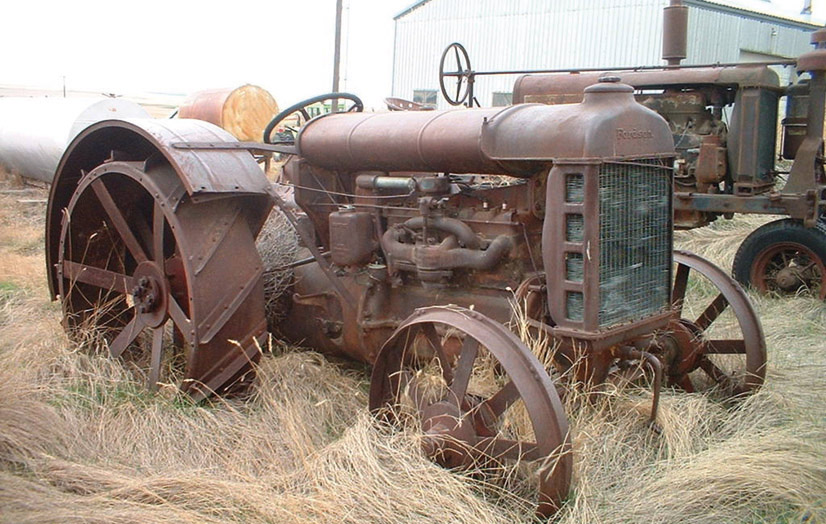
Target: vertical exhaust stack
[[675, 33]]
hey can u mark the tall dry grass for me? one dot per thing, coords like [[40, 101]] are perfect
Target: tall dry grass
[[81, 441]]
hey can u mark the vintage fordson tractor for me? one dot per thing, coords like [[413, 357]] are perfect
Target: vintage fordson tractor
[[419, 233]]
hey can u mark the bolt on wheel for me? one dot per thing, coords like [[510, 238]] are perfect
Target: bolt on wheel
[[151, 272], [785, 258], [718, 340], [481, 399]]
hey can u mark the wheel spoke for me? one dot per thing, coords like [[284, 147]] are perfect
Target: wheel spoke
[[180, 319], [463, 431], [158, 222], [501, 448], [464, 368], [119, 221], [501, 401], [712, 312], [459, 87], [726, 347], [430, 332], [127, 335], [680, 284], [718, 375], [458, 60], [155, 359], [95, 276]]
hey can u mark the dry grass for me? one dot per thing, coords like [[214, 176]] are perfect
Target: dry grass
[[277, 244], [80, 441]]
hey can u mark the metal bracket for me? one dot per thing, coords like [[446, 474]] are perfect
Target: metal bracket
[[252, 147]]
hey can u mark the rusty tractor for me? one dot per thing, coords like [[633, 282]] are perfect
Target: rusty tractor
[[722, 168], [418, 233]]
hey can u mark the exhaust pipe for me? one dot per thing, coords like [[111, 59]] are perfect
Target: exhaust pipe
[[675, 33]]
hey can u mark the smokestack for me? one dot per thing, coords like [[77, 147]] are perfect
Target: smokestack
[[675, 33]]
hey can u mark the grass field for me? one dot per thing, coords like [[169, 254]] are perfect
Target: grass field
[[81, 441]]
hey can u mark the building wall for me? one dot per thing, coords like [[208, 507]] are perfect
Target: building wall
[[561, 34]]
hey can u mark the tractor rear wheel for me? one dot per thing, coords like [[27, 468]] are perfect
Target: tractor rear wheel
[[166, 282]]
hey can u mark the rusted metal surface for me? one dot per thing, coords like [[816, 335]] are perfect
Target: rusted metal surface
[[136, 252], [400, 104], [580, 228], [724, 167], [207, 105], [463, 427], [200, 171], [785, 258], [567, 206], [242, 111], [136, 245], [541, 88], [675, 32], [688, 347], [517, 140]]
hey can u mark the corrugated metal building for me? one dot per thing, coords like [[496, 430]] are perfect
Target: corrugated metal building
[[555, 34]]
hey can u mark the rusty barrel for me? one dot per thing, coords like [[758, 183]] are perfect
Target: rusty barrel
[[243, 111]]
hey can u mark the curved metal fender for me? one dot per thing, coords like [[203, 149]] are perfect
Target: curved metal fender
[[214, 172]]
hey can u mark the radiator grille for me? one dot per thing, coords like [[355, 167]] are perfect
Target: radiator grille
[[635, 241], [574, 228]]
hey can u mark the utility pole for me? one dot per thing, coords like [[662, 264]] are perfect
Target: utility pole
[[337, 55]]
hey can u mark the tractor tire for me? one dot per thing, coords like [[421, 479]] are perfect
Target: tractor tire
[[785, 258]]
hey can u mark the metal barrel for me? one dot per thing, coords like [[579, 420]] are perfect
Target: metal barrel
[[34, 132]]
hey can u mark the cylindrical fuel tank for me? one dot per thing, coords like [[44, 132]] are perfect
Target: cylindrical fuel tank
[[518, 140], [243, 111], [34, 132]]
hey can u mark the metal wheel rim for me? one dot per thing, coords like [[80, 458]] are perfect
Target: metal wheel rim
[[765, 268], [751, 345], [212, 364], [528, 382]]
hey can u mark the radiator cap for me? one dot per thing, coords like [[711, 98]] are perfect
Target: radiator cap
[[609, 84]]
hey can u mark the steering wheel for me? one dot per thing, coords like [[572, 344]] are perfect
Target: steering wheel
[[301, 107], [464, 75]]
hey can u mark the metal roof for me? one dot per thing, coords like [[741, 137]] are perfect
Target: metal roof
[[411, 8], [759, 14], [711, 4]]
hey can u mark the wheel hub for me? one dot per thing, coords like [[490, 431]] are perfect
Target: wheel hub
[[448, 436], [150, 294], [789, 279], [681, 348]]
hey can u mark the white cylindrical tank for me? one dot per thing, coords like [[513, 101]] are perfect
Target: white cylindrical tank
[[34, 132]]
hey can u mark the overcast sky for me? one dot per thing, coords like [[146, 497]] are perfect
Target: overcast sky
[[178, 46]]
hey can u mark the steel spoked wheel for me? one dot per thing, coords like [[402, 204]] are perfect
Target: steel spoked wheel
[[164, 281], [483, 401], [718, 340], [785, 258]]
